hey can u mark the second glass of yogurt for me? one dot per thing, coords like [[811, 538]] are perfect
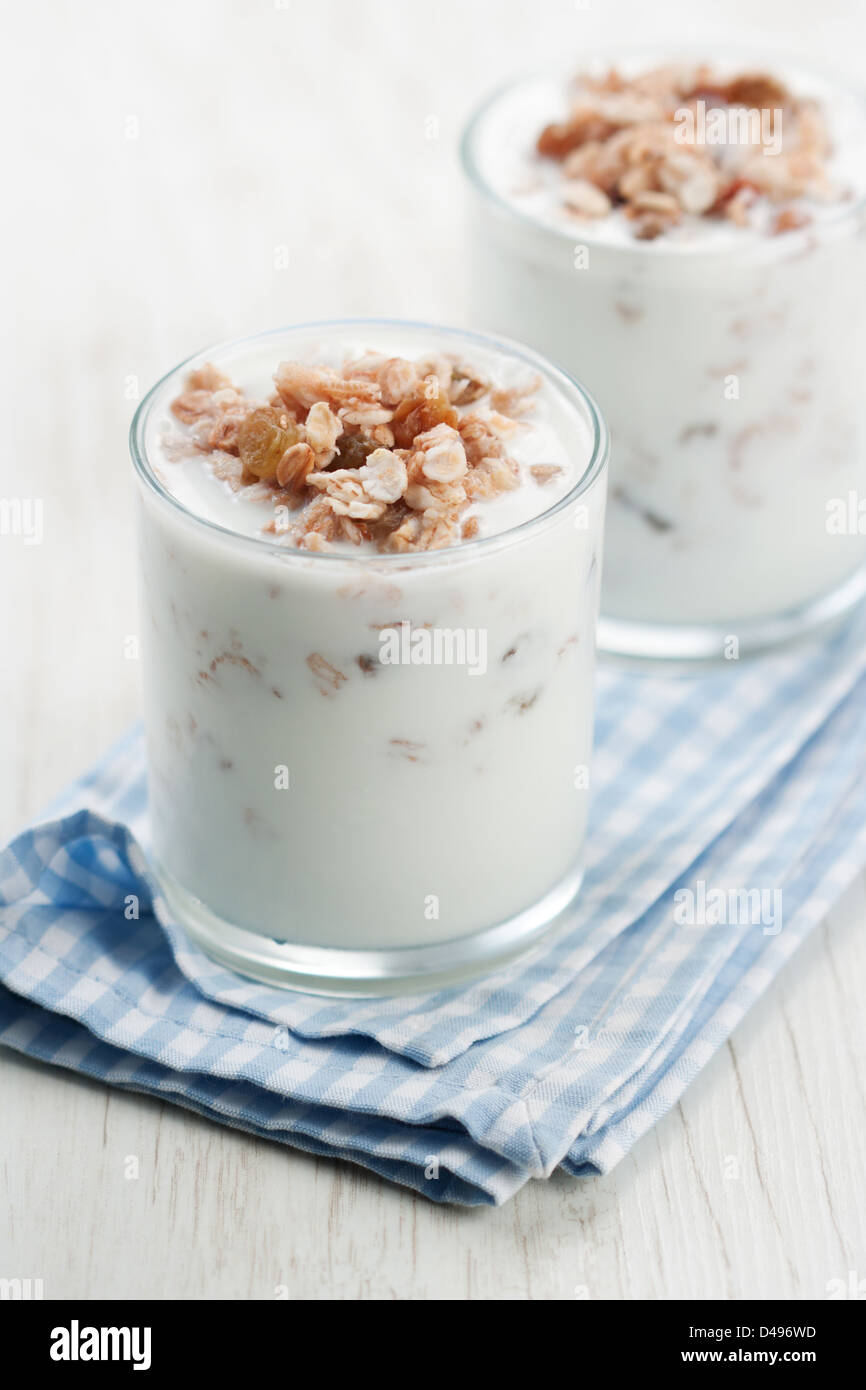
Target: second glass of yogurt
[[370, 556], [688, 238]]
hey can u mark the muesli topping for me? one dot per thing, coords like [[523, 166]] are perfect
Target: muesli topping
[[385, 450], [641, 144]]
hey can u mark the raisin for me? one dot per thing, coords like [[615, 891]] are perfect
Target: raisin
[[709, 92], [419, 414], [263, 437], [466, 388], [755, 89], [353, 451], [557, 141]]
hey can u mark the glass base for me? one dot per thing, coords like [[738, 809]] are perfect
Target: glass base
[[334, 971], [690, 643]]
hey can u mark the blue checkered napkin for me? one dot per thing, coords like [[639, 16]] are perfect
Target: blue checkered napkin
[[749, 778]]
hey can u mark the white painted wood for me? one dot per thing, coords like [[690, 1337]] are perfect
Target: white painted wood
[[262, 126]]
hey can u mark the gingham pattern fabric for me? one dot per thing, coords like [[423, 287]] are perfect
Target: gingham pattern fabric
[[747, 779]]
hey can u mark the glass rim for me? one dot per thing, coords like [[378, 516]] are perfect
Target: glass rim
[[598, 459], [660, 248]]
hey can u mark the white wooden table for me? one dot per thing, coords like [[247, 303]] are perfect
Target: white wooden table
[[190, 171]]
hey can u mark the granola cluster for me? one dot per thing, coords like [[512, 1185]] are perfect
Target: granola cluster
[[385, 450], [641, 144]]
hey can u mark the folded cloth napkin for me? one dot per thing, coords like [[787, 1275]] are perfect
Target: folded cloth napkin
[[729, 812]]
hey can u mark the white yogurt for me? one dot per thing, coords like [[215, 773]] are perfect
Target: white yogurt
[[314, 791], [728, 362]]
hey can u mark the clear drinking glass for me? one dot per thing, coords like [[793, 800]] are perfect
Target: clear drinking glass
[[731, 376], [325, 820]]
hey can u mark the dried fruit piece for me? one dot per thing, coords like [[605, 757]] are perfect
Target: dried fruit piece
[[423, 412], [466, 386], [558, 140], [354, 450], [757, 90], [263, 438]]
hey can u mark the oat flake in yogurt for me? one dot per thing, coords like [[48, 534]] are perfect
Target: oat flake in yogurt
[[689, 239], [371, 557]]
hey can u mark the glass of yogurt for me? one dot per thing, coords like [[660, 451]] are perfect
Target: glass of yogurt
[[688, 238], [370, 558]]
